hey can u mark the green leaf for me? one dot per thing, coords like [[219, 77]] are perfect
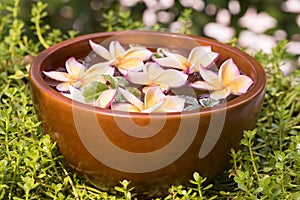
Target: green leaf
[[92, 91], [208, 102], [112, 80]]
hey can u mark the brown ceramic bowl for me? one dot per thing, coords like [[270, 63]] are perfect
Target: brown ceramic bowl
[[153, 151]]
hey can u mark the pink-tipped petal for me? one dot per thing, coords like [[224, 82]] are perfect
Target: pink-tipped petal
[[210, 77], [172, 78], [100, 50], [228, 71], [106, 98], [59, 76], [220, 94], [126, 107], [116, 49], [132, 99], [240, 84], [131, 64], [75, 68], [202, 85], [140, 78], [152, 96]]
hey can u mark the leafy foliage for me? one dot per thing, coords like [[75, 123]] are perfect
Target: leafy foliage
[[266, 167]]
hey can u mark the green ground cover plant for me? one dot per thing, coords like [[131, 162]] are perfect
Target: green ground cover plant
[[266, 167]]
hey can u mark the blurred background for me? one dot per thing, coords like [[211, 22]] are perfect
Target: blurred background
[[254, 24]]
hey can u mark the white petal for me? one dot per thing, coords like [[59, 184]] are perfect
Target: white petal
[[228, 71], [176, 56], [240, 84], [140, 78], [153, 70], [170, 62], [75, 68], [116, 50], [126, 107], [134, 64], [59, 76], [220, 94], [210, 77], [138, 52], [172, 78], [100, 50], [132, 99], [202, 85], [154, 107], [152, 96], [172, 104], [106, 98], [63, 87], [202, 56], [75, 94]]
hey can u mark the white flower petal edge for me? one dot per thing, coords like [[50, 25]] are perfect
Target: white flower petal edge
[[100, 50], [75, 94], [75, 68], [132, 99]]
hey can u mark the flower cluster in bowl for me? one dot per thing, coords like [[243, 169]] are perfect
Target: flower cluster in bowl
[[137, 79]]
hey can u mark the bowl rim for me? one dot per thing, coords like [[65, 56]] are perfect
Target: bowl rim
[[258, 86]]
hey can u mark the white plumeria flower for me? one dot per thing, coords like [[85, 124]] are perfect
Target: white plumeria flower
[[78, 75], [227, 81], [154, 75], [154, 101], [199, 56], [131, 59]]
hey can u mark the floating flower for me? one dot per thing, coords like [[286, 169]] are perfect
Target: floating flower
[[154, 101], [199, 56], [104, 100], [227, 81], [131, 59], [154, 75], [78, 75], [101, 94]]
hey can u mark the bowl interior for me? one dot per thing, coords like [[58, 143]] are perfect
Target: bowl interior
[[55, 57]]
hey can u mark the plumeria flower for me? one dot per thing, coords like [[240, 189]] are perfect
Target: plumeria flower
[[199, 56], [124, 60], [104, 100], [227, 81], [154, 101], [154, 75], [78, 75]]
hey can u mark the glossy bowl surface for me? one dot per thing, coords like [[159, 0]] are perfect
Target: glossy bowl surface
[[153, 151]]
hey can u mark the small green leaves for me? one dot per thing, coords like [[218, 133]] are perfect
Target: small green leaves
[[208, 102], [114, 82], [125, 190]]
